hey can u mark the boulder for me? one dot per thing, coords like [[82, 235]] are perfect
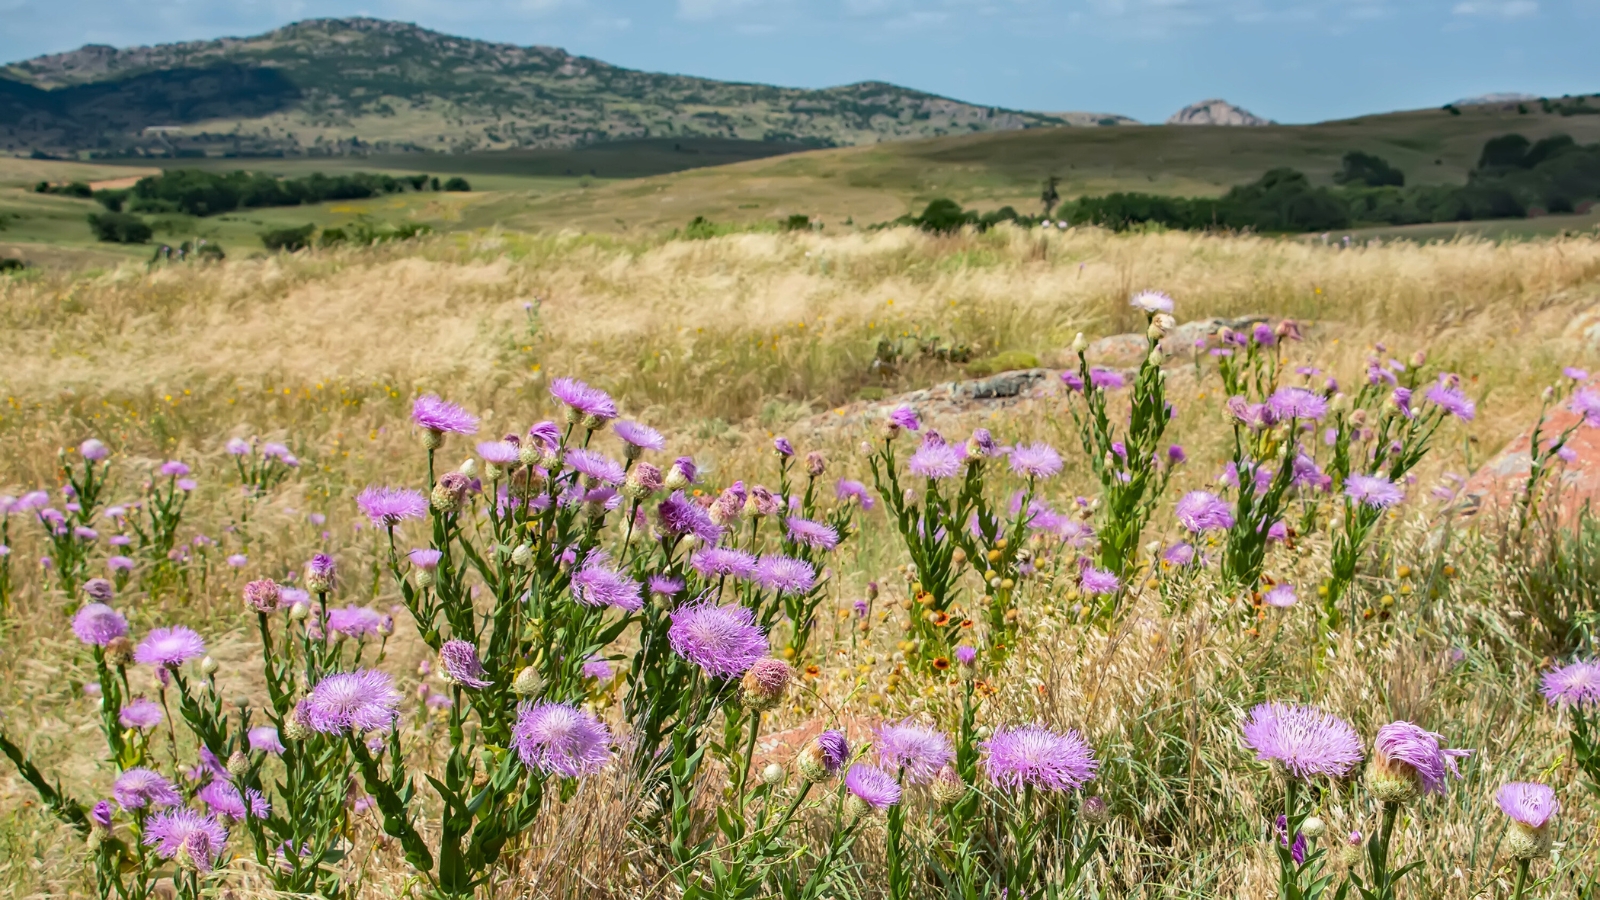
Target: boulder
[[1494, 488], [1216, 112]]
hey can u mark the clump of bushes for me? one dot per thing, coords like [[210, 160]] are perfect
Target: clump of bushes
[[119, 228], [201, 193], [360, 233], [288, 239], [71, 189]]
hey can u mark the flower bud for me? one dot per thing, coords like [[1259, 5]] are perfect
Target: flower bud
[[1155, 358], [238, 764], [208, 667], [1313, 828], [853, 808], [450, 493], [816, 464], [643, 480], [948, 789], [527, 682], [772, 774], [469, 468], [1080, 343], [262, 595], [300, 612], [522, 556], [764, 684], [293, 728], [1095, 811], [386, 627]]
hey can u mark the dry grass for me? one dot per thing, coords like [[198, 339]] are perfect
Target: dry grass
[[722, 341]]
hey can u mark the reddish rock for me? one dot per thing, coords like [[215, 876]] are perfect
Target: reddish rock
[[1494, 488]]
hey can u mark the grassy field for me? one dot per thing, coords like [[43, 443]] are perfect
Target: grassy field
[[723, 343]]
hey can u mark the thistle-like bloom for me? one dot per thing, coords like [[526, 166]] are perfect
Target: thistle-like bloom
[[639, 436], [1576, 684], [1151, 302], [425, 558], [817, 535], [320, 574], [584, 402], [1202, 511], [99, 624], [729, 505], [141, 787], [1586, 403], [100, 815], [1106, 379], [782, 447], [682, 474], [1531, 808], [264, 739], [355, 621], [761, 502], [1297, 403], [917, 751], [430, 413], [1035, 460], [599, 585], [1281, 596], [598, 668], [1407, 759], [874, 787], [824, 757], [1097, 582], [1035, 756], [559, 739], [785, 575], [359, 701], [1303, 739], [459, 661], [982, 445], [1180, 554], [595, 467], [262, 595], [722, 640], [763, 685], [713, 562], [237, 447], [847, 490], [94, 450], [967, 655], [387, 506], [226, 801], [935, 460], [141, 714], [678, 515], [504, 454], [169, 648], [664, 585], [1373, 491], [199, 839], [905, 417], [1449, 398], [174, 469]]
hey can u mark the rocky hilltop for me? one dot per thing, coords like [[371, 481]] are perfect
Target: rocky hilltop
[[1215, 112]]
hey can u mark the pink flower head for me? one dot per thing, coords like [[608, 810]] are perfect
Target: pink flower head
[[1035, 756], [459, 660], [917, 751], [1373, 491], [169, 648], [1528, 803], [639, 435], [1202, 511], [785, 575], [387, 506], [99, 624], [1402, 748], [583, 401], [1577, 684], [1036, 460], [200, 838], [430, 413], [871, 786], [359, 701], [817, 535], [722, 640], [596, 584], [561, 740], [1303, 739]]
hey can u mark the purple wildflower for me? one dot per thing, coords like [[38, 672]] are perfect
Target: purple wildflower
[[355, 621], [201, 839], [1180, 554], [559, 739], [596, 467], [1202, 511], [1073, 381], [678, 515], [1176, 455], [853, 490], [785, 575], [169, 648], [1586, 403], [1037, 460], [430, 413], [817, 535], [1528, 803], [500, 453], [935, 460], [1034, 756], [1575, 373], [459, 660], [966, 655], [916, 751], [1449, 398], [905, 417], [782, 447], [664, 585], [1574, 684], [264, 739], [140, 787], [598, 668], [119, 563], [1298, 403], [141, 714], [1106, 379], [1403, 749], [94, 450], [174, 469], [873, 787], [1305, 740], [722, 640], [583, 401], [638, 435], [100, 814], [599, 585], [226, 801], [1374, 491], [723, 562], [1281, 596], [359, 701], [1097, 581], [98, 624], [1151, 302]]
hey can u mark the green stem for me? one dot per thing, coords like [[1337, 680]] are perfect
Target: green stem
[[1522, 879]]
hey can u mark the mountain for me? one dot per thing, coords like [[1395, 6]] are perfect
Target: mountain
[[325, 86], [1490, 99], [1215, 112]]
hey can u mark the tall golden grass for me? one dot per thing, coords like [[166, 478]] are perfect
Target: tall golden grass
[[722, 341]]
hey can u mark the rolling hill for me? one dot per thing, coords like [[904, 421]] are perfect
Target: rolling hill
[[339, 86]]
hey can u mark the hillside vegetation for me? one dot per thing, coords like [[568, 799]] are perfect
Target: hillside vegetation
[[336, 86]]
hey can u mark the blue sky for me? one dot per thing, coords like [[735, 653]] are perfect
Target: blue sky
[[1289, 60]]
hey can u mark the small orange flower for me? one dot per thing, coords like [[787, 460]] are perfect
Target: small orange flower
[[941, 619], [813, 671], [966, 623], [941, 663]]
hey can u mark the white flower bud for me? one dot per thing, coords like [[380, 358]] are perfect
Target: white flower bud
[[208, 667], [469, 468], [1080, 343], [772, 774]]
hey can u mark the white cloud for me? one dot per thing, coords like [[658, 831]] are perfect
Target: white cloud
[[1501, 9], [700, 10]]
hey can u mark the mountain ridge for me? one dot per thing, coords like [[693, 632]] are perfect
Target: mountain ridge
[[361, 84]]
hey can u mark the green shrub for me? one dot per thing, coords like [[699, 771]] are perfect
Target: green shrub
[[119, 228], [8, 264], [457, 184], [288, 239], [943, 215], [111, 200], [332, 237], [1373, 171], [700, 228], [796, 222]]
